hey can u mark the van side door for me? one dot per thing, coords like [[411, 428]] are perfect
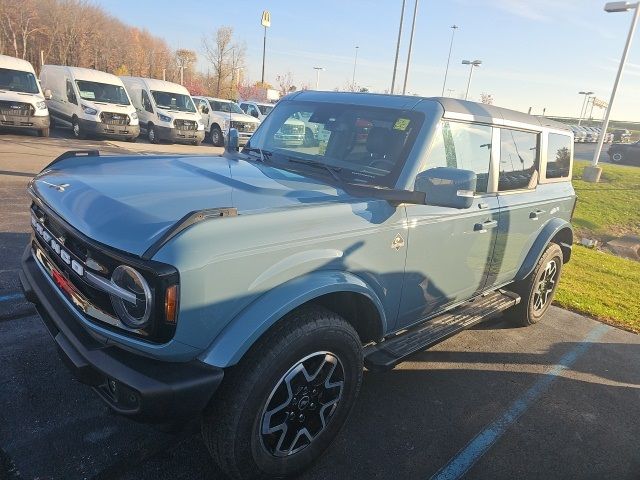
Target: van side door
[[450, 250]]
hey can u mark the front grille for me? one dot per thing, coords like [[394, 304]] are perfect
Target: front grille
[[20, 109], [244, 127], [110, 118], [292, 129], [181, 124]]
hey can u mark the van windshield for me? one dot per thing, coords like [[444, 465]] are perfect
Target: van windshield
[[102, 92], [18, 81], [173, 101], [265, 109]]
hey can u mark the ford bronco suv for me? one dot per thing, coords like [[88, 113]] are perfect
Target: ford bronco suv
[[250, 289]]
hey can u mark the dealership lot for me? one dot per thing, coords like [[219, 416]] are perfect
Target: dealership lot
[[557, 400]]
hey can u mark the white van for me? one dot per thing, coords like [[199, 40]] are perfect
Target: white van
[[22, 104], [89, 102], [166, 110]]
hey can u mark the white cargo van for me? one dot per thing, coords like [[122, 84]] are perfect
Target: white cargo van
[[22, 104], [166, 110], [89, 102]]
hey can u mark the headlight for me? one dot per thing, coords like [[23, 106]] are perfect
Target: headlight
[[164, 118], [200, 122], [88, 110], [41, 106], [134, 315], [134, 115]]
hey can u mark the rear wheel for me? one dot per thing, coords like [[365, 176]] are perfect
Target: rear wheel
[[284, 403], [538, 289]]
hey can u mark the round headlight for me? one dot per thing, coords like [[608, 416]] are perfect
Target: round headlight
[[134, 315]]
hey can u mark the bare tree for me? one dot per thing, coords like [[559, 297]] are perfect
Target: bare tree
[[486, 98], [218, 50], [19, 22], [285, 83]]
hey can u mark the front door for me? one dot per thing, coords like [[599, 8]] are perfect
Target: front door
[[450, 250]]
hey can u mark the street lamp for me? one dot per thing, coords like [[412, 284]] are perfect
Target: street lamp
[[355, 62], [265, 21], [474, 63], [592, 174], [318, 70], [395, 62], [446, 71], [413, 27], [584, 102]]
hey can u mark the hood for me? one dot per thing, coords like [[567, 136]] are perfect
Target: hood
[[108, 107], [130, 202], [10, 96], [241, 117], [179, 115]]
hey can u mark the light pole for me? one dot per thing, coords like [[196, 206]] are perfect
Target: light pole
[[592, 174], [584, 102], [318, 70], [472, 64], [395, 62], [266, 23], [355, 62], [446, 71], [413, 27]]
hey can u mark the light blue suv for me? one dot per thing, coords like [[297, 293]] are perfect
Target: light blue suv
[[250, 289]]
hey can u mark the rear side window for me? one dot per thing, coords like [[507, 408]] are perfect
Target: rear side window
[[518, 160], [558, 156], [463, 146]]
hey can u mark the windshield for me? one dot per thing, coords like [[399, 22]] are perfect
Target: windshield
[[102, 92], [173, 101], [227, 107], [363, 145], [265, 109], [18, 81]]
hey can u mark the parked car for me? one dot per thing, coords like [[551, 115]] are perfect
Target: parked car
[[257, 110], [166, 110], [224, 114], [579, 134], [249, 289], [22, 103], [89, 102], [628, 153], [622, 135]]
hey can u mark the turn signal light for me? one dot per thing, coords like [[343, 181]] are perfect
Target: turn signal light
[[171, 304]]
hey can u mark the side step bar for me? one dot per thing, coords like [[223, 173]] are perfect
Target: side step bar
[[386, 355]]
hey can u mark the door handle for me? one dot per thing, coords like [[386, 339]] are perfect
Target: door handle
[[483, 206], [482, 227], [534, 215]]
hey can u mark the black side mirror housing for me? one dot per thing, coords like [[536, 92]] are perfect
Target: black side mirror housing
[[447, 187], [48, 95], [232, 140]]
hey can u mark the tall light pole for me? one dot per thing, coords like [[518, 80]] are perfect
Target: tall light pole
[[584, 102], [592, 174], [472, 64], [446, 71], [318, 70], [355, 62], [413, 27], [266, 23], [395, 62]]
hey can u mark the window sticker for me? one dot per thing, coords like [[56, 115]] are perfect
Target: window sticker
[[401, 124], [88, 95]]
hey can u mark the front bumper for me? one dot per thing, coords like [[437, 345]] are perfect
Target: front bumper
[[106, 130], [17, 121], [290, 139], [135, 386], [179, 136]]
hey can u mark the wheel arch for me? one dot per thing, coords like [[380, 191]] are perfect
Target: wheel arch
[[341, 292], [557, 231]]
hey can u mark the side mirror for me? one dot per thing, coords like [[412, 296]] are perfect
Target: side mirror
[[447, 187], [232, 140], [254, 114], [205, 110], [48, 95]]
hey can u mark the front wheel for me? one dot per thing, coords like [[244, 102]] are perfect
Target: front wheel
[[216, 136], [538, 289], [77, 130], [152, 133], [285, 402]]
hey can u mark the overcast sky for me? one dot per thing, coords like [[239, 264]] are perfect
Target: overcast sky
[[535, 53]]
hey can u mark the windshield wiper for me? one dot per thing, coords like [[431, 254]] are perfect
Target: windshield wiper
[[263, 153], [313, 163]]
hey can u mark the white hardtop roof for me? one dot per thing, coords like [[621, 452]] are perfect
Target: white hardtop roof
[[90, 75], [263, 104], [216, 99], [15, 64], [162, 85]]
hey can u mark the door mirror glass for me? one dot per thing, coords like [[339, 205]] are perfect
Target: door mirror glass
[[447, 187], [232, 140], [48, 95]]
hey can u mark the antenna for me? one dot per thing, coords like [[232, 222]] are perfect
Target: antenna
[[229, 129]]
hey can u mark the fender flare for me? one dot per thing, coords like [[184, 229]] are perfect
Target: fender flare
[[555, 227], [255, 319]]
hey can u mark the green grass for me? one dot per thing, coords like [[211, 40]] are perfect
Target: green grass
[[610, 208], [602, 286]]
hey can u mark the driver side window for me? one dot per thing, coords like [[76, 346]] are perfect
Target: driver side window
[[71, 94], [146, 102]]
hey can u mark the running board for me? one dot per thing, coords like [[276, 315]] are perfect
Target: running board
[[387, 354]]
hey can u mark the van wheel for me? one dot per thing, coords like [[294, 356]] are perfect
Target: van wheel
[[152, 133], [43, 132], [538, 289], [216, 136], [77, 131], [285, 402]]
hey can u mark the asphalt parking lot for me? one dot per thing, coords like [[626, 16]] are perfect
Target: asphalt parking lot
[[557, 400]]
